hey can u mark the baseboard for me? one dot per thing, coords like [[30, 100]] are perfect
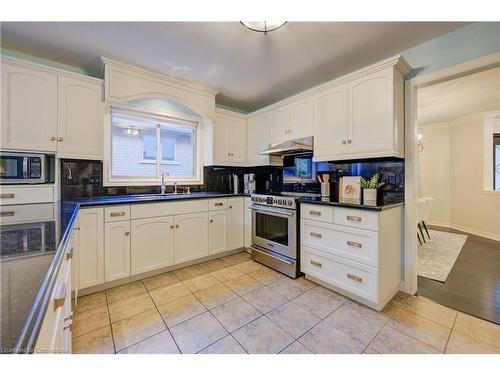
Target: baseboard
[[462, 228]]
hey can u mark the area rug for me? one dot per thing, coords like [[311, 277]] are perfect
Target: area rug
[[436, 257]]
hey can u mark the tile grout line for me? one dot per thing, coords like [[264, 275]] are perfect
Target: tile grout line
[[110, 324], [451, 331]]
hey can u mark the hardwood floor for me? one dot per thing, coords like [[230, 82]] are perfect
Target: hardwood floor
[[473, 285]]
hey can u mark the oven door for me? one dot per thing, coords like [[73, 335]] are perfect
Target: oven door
[[275, 229]]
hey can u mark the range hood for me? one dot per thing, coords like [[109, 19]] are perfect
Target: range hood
[[292, 147]]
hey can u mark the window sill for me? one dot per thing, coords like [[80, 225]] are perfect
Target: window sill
[[491, 192], [162, 163]]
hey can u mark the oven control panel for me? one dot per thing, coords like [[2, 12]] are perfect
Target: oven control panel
[[277, 201]]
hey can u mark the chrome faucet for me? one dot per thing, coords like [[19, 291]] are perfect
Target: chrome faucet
[[163, 185], [175, 188]]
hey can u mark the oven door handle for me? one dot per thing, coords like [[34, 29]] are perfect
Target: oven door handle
[[261, 209]]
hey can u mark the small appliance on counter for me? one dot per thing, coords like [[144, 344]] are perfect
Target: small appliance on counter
[[249, 183], [236, 184]]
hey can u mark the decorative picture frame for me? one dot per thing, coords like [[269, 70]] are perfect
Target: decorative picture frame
[[350, 187]]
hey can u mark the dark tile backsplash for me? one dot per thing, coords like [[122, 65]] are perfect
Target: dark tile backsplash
[[87, 178]]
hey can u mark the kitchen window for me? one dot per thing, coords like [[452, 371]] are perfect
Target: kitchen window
[[143, 146]]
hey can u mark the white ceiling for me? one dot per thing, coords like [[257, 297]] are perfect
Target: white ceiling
[[450, 100], [249, 70]]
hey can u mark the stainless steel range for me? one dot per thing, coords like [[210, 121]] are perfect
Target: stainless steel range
[[275, 232]]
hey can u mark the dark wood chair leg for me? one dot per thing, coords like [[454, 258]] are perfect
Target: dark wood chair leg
[[421, 232], [426, 231], [419, 240]]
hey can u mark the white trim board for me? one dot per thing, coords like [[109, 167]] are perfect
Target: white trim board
[[469, 230]]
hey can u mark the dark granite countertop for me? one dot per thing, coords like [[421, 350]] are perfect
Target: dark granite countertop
[[351, 203], [148, 198], [31, 251]]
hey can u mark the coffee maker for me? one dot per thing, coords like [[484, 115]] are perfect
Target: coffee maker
[[249, 183]]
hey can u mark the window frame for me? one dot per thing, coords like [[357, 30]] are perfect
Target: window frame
[[163, 116]]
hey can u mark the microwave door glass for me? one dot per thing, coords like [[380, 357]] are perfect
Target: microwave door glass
[[11, 167]]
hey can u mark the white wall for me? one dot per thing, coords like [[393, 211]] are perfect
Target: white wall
[[452, 172]]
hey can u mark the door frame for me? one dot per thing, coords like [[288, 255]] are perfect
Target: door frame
[[409, 283]]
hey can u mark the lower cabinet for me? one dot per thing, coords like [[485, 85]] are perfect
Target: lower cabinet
[[217, 232], [236, 223], [91, 247], [152, 244], [116, 250], [248, 223], [191, 236]]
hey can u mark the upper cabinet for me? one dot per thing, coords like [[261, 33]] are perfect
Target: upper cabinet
[[229, 139], [29, 109], [292, 121], [49, 110], [80, 118], [361, 116]]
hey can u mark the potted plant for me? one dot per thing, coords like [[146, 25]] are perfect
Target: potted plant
[[370, 187]]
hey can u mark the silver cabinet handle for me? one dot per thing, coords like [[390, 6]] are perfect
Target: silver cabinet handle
[[317, 235], [69, 253], [353, 218], [317, 264], [121, 213], [7, 213], [7, 195], [355, 244], [60, 295], [219, 204], [354, 277], [315, 213]]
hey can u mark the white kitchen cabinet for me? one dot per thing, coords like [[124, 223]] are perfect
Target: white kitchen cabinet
[[259, 139], [292, 121], [217, 231], [152, 244], [74, 242], [229, 139], [91, 247], [330, 123], [29, 108], [191, 236], [80, 118], [116, 250], [362, 116], [248, 222], [236, 223]]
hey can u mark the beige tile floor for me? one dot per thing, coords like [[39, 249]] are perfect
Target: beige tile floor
[[234, 305]]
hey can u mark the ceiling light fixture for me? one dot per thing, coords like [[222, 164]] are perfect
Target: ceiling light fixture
[[263, 26]]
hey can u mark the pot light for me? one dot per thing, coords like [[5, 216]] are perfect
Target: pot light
[[263, 26]]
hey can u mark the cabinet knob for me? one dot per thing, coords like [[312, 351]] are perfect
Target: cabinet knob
[[228, 154], [349, 141], [230, 207], [211, 220], [52, 138], [344, 142], [177, 226], [60, 139], [171, 227], [127, 233]]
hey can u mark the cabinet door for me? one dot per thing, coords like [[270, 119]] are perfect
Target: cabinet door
[[330, 123], [74, 243], [116, 250], [191, 237], [371, 120], [29, 109], [248, 223], [221, 149], [302, 119], [258, 139], [281, 124], [80, 118], [236, 224], [238, 140], [91, 247], [152, 244], [217, 231]]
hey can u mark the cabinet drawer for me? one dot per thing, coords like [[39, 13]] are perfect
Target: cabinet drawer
[[116, 213], [26, 212], [354, 244], [26, 194], [217, 204], [317, 212], [356, 218], [350, 276], [147, 210]]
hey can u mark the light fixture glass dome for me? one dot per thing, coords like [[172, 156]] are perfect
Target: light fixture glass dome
[[263, 26]]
